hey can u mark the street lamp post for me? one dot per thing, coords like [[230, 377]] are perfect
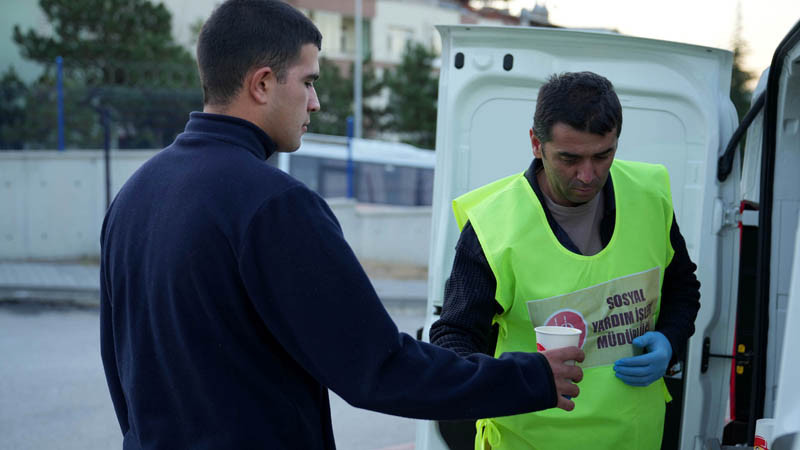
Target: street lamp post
[[357, 71]]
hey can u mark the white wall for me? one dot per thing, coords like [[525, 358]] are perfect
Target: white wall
[[52, 205], [390, 234]]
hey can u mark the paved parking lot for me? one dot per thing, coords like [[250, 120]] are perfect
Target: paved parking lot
[[53, 392]]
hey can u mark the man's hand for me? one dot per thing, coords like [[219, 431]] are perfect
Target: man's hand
[[565, 375], [644, 369]]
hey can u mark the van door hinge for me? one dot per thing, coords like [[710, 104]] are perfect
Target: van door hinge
[[743, 357], [725, 215], [731, 216]]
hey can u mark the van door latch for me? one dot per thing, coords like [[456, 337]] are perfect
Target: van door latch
[[743, 357]]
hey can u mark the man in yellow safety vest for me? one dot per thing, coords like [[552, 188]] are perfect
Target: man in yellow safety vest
[[581, 240]]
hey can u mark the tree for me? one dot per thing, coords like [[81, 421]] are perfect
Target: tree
[[335, 93], [28, 115], [101, 37], [118, 55], [413, 94], [12, 109], [740, 94]]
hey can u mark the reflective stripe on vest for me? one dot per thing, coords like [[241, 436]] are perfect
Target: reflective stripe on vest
[[612, 296]]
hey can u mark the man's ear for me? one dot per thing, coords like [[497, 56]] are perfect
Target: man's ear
[[259, 83], [535, 144]]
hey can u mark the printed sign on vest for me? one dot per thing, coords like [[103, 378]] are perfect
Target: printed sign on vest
[[611, 315]]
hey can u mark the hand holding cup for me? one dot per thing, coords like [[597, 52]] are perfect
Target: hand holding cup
[[559, 345]]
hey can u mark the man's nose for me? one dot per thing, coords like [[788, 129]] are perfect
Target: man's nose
[[586, 172], [313, 102]]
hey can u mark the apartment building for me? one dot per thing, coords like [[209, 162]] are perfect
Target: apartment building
[[389, 24]]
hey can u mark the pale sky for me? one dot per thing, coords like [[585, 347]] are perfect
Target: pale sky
[[701, 22]]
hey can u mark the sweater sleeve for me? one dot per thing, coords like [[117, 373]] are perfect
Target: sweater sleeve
[[107, 344], [680, 296], [465, 325], [313, 296]]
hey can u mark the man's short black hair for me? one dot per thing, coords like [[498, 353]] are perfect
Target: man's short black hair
[[242, 35], [583, 100]]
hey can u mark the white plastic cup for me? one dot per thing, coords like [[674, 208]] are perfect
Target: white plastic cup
[[550, 338], [763, 437]]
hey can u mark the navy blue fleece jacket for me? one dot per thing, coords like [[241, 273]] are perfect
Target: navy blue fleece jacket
[[231, 303]]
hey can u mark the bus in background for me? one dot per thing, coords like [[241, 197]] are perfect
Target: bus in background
[[390, 173]]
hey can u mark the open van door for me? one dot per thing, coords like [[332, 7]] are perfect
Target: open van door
[[676, 112], [786, 433], [768, 291], [782, 115]]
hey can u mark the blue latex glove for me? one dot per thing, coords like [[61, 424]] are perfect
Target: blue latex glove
[[644, 369]]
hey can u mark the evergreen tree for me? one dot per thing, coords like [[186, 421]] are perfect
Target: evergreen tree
[[335, 92], [12, 109], [740, 94], [119, 55], [39, 128], [371, 86], [106, 40], [413, 95]]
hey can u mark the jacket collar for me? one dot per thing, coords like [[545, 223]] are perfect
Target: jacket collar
[[233, 130]]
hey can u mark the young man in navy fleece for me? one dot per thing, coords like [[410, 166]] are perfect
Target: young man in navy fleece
[[231, 302]]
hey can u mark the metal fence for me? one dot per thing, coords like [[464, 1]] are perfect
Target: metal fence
[[135, 105], [145, 105]]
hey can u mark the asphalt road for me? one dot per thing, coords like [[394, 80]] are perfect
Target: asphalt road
[[53, 392]]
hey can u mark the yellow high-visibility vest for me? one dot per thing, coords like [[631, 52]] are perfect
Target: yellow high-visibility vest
[[612, 296]]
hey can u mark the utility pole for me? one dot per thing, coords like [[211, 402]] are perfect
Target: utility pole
[[357, 71]]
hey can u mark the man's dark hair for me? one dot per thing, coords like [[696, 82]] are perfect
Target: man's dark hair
[[242, 35], [583, 100]]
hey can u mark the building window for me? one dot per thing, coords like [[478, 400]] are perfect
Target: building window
[[397, 38], [347, 38]]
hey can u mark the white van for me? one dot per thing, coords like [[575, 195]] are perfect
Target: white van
[[677, 112]]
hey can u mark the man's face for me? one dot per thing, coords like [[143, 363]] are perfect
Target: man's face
[[291, 102], [576, 163]]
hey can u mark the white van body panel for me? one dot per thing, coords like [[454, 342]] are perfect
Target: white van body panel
[[676, 112], [785, 208]]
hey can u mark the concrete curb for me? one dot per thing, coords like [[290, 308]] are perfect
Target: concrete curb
[[50, 283], [79, 285], [54, 296]]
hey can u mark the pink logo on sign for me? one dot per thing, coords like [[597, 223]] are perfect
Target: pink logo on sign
[[568, 318]]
